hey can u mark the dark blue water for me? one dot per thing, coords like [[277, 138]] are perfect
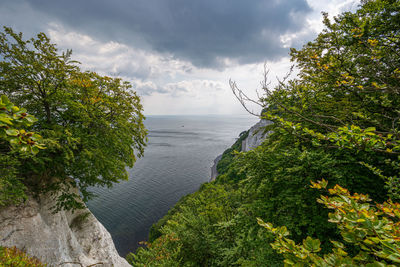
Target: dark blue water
[[177, 160]]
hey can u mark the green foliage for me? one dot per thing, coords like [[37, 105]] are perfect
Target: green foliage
[[155, 230], [337, 120], [166, 250], [375, 231], [228, 155], [15, 257], [92, 124], [206, 233], [347, 96], [349, 74], [216, 226], [16, 145], [12, 122]]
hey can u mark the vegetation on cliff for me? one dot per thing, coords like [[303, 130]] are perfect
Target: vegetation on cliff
[[92, 125], [338, 120], [228, 155], [374, 230], [15, 257]]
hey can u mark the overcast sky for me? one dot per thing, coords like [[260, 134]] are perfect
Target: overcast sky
[[178, 54]]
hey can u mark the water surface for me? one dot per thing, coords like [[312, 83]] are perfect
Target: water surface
[[177, 160]]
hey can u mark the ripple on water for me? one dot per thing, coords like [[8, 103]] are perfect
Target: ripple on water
[[176, 162]]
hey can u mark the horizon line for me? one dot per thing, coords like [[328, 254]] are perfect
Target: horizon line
[[208, 114]]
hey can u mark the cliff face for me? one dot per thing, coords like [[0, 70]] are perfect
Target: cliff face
[[214, 172], [256, 136], [61, 239]]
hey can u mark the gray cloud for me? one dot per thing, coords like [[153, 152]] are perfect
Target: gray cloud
[[148, 88], [174, 89], [204, 32]]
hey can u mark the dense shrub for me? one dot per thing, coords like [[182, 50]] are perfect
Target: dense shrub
[[10, 257]]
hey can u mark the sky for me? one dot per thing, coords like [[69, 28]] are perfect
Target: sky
[[179, 55]]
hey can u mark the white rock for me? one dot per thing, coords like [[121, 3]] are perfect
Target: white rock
[[256, 136], [214, 172], [58, 239]]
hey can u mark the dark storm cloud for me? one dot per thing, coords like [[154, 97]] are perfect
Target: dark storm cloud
[[201, 31]]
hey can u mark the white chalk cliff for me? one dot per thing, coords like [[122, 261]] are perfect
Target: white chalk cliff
[[214, 172], [61, 239], [256, 136]]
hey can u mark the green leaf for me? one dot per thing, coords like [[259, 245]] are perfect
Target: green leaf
[[34, 150], [4, 99], [370, 129], [312, 245], [337, 244], [394, 257], [15, 109], [4, 118], [376, 264], [12, 132]]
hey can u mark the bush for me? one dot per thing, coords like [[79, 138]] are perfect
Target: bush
[[11, 257], [373, 231]]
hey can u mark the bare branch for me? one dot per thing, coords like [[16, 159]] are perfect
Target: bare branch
[[243, 98], [265, 83], [77, 262], [330, 117], [71, 262]]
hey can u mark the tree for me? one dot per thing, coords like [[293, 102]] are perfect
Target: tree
[[349, 74], [92, 124], [374, 231], [347, 93], [346, 101]]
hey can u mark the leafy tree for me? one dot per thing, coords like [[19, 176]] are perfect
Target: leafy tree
[[348, 87], [346, 100], [93, 124], [349, 74], [373, 230]]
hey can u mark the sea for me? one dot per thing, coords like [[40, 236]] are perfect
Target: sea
[[177, 160]]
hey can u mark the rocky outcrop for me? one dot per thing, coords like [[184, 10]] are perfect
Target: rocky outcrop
[[214, 172], [61, 239], [256, 136]]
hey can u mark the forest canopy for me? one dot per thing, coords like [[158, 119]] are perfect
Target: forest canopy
[[91, 125]]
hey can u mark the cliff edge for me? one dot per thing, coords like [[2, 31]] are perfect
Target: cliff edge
[[256, 136], [61, 239], [253, 138]]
